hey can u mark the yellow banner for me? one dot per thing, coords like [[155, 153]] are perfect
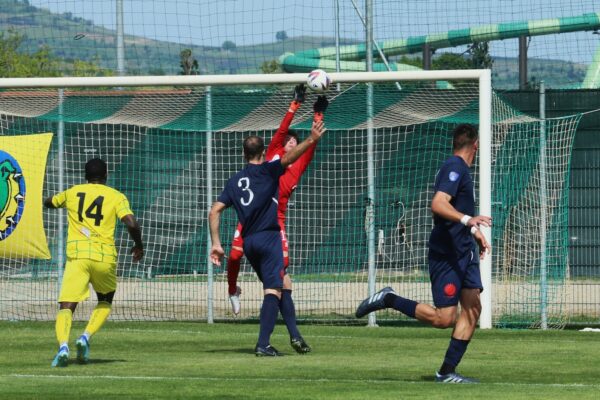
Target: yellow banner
[[22, 169]]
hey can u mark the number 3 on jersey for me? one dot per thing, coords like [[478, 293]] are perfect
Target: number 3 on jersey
[[244, 183], [94, 211]]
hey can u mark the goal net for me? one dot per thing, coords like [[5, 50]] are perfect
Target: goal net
[[359, 218]]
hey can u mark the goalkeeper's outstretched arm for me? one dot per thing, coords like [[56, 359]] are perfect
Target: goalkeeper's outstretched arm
[[279, 138]]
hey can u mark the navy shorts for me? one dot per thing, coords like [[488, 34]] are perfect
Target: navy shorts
[[449, 277], [265, 253]]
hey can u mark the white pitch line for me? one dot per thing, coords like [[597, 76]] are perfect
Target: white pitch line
[[288, 379]]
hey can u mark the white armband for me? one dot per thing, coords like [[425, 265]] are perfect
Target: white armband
[[465, 219], [474, 230]]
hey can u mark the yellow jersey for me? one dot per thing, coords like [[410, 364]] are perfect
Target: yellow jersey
[[93, 209]]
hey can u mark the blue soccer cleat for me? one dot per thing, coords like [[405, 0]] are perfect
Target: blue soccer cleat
[[373, 303], [453, 377], [300, 345], [62, 357], [83, 350], [268, 351]]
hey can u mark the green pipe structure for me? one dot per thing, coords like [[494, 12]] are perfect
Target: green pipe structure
[[592, 77], [350, 55]]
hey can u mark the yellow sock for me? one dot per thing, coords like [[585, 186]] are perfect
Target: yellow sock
[[63, 325], [98, 318]]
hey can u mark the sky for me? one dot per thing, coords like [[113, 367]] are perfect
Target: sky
[[247, 22]]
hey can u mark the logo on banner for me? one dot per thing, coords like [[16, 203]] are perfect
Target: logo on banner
[[12, 194]]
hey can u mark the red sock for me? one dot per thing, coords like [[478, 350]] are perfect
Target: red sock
[[233, 269]]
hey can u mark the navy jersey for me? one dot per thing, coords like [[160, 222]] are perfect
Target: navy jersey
[[254, 193], [453, 239]]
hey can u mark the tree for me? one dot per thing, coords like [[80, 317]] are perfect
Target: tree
[[41, 63], [480, 55], [187, 62], [281, 36], [270, 67], [450, 61], [14, 63], [228, 45], [533, 83], [90, 68], [156, 71], [414, 61]]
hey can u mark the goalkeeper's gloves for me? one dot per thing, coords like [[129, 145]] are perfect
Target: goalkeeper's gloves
[[299, 96], [319, 107], [321, 104], [299, 93]]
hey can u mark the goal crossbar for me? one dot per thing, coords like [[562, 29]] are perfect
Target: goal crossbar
[[233, 80], [483, 77]]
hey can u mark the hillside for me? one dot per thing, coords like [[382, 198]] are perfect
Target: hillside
[[71, 38]]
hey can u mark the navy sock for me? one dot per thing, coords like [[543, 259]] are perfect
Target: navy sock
[[288, 312], [455, 352], [405, 306], [268, 317]]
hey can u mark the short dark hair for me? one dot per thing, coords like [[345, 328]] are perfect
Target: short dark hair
[[96, 170], [291, 134], [254, 146], [464, 135]]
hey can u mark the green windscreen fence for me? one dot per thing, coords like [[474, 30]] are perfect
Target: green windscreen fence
[[159, 142]]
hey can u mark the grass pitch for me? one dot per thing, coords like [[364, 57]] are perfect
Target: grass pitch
[[195, 360]]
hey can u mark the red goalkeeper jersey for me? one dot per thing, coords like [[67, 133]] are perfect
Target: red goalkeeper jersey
[[289, 180]]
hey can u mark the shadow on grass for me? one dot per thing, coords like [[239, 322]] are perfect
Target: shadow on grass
[[99, 361], [244, 350]]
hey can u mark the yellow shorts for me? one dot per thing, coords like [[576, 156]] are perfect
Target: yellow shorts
[[79, 273]]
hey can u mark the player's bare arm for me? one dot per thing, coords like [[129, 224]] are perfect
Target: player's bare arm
[[316, 132], [133, 227], [48, 203], [484, 246], [214, 218], [441, 206]]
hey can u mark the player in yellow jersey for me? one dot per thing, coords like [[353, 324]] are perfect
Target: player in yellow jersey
[[93, 209]]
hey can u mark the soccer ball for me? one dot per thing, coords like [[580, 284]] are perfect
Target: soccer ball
[[318, 80]]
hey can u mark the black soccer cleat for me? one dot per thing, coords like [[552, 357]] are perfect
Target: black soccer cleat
[[300, 345], [373, 303], [453, 377], [268, 351]]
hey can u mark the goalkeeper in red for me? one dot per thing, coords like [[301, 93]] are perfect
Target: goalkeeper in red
[[282, 142]]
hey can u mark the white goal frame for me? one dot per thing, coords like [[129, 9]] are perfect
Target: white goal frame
[[483, 76]]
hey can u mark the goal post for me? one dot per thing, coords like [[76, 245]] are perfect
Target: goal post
[[172, 141], [485, 189]]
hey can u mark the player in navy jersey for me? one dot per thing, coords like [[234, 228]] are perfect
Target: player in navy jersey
[[453, 258], [254, 193]]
